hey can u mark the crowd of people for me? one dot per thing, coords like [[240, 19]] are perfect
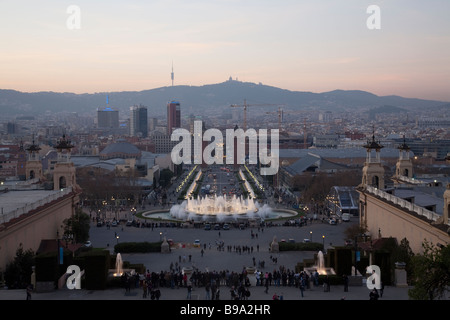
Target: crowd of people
[[237, 283]]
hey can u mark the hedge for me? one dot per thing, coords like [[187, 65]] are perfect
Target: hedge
[[138, 247], [96, 265], [300, 246], [47, 267]]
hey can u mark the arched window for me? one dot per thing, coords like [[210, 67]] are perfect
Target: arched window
[[62, 182], [375, 182]]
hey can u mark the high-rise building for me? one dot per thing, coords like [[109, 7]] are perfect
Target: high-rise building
[[138, 121], [173, 116], [107, 118], [152, 124]]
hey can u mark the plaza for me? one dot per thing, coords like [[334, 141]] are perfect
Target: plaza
[[214, 260]]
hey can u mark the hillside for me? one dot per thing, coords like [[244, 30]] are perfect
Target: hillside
[[195, 98]]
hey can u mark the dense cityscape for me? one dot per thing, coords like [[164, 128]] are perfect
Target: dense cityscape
[[235, 190], [117, 165]]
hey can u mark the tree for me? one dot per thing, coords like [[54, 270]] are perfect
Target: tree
[[354, 231], [165, 177], [317, 185], [403, 253], [18, 273], [77, 226], [431, 272]]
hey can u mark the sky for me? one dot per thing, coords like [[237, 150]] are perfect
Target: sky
[[300, 45]]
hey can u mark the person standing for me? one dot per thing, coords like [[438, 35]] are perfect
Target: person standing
[[29, 290], [302, 284], [144, 289], [217, 293], [266, 282], [208, 289], [345, 278], [189, 291], [326, 284], [373, 295]]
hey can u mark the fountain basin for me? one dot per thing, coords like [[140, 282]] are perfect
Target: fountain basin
[[319, 267], [113, 274], [119, 270], [219, 209]]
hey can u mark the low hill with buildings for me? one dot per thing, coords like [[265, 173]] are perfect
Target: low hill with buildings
[[194, 98]]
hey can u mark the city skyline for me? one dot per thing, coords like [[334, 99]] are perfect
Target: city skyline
[[295, 45]]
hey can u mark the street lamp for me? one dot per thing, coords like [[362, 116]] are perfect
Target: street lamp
[[310, 236], [323, 242], [117, 238], [160, 235]]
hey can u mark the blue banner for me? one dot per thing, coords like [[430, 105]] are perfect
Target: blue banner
[[61, 255]]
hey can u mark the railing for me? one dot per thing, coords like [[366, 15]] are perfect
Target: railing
[[20, 185], [7, 216], [411, 180], [404, 204]]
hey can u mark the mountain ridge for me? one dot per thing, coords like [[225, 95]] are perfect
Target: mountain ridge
[[197, 98]]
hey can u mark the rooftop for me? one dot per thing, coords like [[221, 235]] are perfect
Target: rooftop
[[15, 203], [120, 147], [356, 152]]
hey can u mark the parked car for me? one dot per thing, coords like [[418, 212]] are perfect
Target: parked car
[[87, 244], [226, 226], [332, 221], [197, 243], [217, 226], [207, 226], [346, 217]]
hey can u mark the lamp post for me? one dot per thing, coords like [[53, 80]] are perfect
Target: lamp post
[[356, 252], [323, 242], [58, 255], [310, 236]]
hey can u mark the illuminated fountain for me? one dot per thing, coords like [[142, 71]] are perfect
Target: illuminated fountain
[[119, 266], [320, 266], [119, 270], [221, 205], [219, 208]]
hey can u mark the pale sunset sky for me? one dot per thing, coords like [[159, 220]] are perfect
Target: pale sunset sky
[[313, 45]]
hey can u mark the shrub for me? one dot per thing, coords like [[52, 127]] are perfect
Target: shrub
[[300, 246], [96, 266], [138, 247]]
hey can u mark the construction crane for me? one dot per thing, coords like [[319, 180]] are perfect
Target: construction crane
[[245, 106], [280, 113], [280, 117]]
